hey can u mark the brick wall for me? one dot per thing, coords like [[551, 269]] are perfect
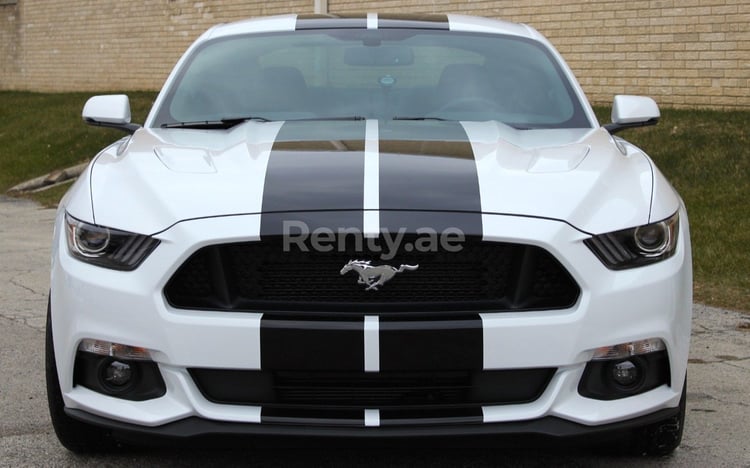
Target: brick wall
[[9, 60], [682, 52], [101, 45]]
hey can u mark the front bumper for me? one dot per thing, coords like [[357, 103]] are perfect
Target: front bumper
[[129, 307], [198, 427]]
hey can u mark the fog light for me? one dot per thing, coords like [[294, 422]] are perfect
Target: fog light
[[626, 373], [118, 374], [632, 374], [115, 376]]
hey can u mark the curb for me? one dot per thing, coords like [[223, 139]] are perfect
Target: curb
[[53, 179]]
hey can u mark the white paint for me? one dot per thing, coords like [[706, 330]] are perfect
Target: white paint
[[371, 225], [372, 343], [372, 418], [320, 7]]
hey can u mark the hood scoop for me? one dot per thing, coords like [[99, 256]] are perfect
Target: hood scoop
[[559, 159], [185, 160]]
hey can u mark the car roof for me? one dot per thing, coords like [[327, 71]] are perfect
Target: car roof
[[294, 22]]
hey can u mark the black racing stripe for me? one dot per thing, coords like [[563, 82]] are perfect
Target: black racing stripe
[[272, 224], [415, 417], [429, 167], [386, 21], [315, 166], [331, 21], [431, 345], [470, 224], [311, 344], [315, 417]]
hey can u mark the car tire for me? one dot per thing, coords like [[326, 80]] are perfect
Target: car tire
[[663, 437], [74, 435]]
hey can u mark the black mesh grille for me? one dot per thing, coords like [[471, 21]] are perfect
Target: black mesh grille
[[341, 390], [262, 276]]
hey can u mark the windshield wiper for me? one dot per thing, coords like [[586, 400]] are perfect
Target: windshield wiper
[[343, 118], [221, 124], [440, 119], [232, 121], [424, 117]]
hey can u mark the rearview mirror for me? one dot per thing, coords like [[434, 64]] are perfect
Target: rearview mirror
[[111, 111], [382, 56], [631, 112]]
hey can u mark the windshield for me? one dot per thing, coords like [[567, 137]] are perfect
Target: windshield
[[374, 74]]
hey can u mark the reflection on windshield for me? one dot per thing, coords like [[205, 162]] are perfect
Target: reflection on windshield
[[385, 74]]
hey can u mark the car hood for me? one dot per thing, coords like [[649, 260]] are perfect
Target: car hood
[[411, 173]]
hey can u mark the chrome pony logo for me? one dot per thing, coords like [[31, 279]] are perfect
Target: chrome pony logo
[[374, 276]]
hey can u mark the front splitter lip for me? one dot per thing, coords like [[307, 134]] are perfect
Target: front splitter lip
[[196, 427]]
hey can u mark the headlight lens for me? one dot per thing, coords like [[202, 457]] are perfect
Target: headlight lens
[[637, 246], [105, 247]]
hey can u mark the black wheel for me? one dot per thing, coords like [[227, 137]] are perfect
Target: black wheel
[[663, 437], [74, 435]]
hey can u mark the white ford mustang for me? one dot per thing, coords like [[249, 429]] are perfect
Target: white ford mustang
[[370, 226]]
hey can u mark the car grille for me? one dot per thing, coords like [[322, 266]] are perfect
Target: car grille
[[352, 390], [262, 276]]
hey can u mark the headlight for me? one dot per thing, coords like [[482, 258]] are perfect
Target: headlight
[[637, 246], [105, 247]]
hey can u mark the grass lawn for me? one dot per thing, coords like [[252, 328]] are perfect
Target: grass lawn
[[705, 154], [43, 132]]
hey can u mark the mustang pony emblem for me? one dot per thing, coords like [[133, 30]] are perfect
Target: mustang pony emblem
[[374, 276]]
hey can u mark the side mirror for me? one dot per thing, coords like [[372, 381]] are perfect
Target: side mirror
[[111, 111], [631, 112]]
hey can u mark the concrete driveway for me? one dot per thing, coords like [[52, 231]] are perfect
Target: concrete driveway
[[717, 430]]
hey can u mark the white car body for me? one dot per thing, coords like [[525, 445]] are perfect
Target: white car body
[[190, 189]]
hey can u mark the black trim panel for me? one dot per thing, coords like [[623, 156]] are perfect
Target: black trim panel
[[193, 427], [313, 344], [439, 416], [327, 417]]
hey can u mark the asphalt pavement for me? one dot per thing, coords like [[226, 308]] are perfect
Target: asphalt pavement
[[717, 431]]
